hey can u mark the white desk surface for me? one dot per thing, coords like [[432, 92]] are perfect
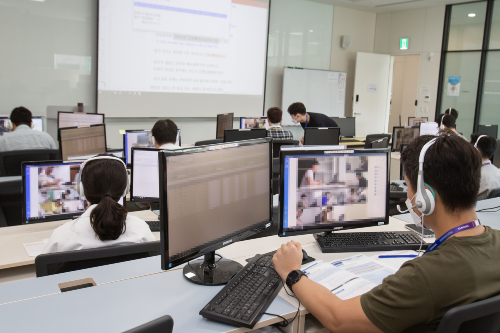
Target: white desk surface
[[12, 251]]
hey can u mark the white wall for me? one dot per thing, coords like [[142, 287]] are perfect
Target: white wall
[[361, 27], [424, 27]]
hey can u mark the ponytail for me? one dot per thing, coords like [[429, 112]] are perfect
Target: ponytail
[[108, 219]]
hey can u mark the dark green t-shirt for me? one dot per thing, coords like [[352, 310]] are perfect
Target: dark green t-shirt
[[460, 271]]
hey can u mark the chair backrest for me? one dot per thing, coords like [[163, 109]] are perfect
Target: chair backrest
[[374, 137], [62, 262], [278, 143], [380, 143], [208, 142], [163, 324], [482, 316], [10, 161], [495, 193], [496, 156]]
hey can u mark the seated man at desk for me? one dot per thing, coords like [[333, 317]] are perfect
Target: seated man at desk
[[309, 119], [23, 136], [165, 134], [275, 131], [460, 268], [105, 222], [490, 174]]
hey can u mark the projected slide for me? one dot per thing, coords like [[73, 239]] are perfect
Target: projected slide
[[182, 47]]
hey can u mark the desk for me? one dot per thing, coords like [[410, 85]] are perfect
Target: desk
[[15, 264]]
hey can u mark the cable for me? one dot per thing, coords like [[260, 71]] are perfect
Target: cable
[[488, 210]]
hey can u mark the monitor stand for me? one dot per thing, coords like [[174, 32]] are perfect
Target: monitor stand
[[211, 272]]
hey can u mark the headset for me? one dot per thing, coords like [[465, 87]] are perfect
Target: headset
[[79, 184], [441, 127], [475, 145]]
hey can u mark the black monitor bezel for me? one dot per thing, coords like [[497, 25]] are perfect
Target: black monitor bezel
[[132, 197], [218, 243], [486, 132], [427, 120], [70, 128], [401, 169], [321, 151], [354, 121], [59, 112], [394, 135], [308, 129], [244, 130], [217, 125], [68, 216]]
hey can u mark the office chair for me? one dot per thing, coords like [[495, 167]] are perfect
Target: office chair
[[277, 143], [494, 194], [208, 142], [163, 324], [482, 316], [62, 262], [10, 161], [374, 137], [380, 143]]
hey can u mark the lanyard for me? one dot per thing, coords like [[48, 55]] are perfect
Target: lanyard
[[453, 231], [306, 120], [486, 163]]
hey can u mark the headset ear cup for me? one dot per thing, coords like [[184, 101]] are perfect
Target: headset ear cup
[[432, 202], [79, 187], [127, 189]]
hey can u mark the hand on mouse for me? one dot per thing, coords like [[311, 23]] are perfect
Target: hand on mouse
[[288, 258]]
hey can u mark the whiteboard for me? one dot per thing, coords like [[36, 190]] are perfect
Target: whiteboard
[[320, 91]]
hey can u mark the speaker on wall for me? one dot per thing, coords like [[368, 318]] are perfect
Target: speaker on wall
[[346, 42]]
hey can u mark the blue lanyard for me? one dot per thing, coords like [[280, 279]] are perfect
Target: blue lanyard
[[453, 231], [306, 120]]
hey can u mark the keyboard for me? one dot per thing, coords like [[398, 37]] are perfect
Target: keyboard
[[396, 188], [154, 225], [369, 241], [247, 295]]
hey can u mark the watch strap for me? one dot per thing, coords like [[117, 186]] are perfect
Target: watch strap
[[294, 277]]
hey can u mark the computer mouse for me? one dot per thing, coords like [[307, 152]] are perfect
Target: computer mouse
[[304, 256]]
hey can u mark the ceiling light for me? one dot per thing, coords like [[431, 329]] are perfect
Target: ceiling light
[[311, 30], [472, 15]]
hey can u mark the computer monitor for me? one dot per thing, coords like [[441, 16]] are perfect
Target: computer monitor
[[325, 189], [6, 125], [347, 126], [144, 184], [429, 128], [224, 122], [490, 130], [49, 189], [75, 119], [82, 142], [403, 135], [140, 139], [241, 135], [321, 136], [415, 121], [249, 123], [401, 169], [210, 197]]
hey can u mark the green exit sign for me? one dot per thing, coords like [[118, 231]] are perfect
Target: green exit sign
[[404, 44]]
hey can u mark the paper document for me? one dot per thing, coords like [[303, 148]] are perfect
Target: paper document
[[35, 248]]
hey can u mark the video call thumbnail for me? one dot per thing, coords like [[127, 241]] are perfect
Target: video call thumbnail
[[254, 123]]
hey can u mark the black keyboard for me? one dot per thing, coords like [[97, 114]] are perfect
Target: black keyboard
[[369, 241], [247, 295], [154, 225], [396, 188]]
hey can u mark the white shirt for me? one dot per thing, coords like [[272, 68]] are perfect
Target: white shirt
[[490, 179], [79, 235], [309, 174], [26, 138], [170, 146]]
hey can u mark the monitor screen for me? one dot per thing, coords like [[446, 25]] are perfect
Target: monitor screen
[[250, 123], [75, 119], [6, 126], [490, 130], [224, 122], [141, 139], [80, 142], [241, 135], [50, 191], [429, 128], [213, 196], [321, 136], [331, 190], [37, 123], [403, 136], [144, 177], [414, 121], [347, 126]]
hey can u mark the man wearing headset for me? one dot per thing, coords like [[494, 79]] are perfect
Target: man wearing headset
[[22, 136], [309, 119], [461, 267], [490, 174]]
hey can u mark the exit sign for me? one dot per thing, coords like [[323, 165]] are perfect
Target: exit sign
[[404, 44]]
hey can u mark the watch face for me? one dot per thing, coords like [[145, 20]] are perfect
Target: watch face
[[294, 275]]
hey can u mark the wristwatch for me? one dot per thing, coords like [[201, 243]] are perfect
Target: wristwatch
[[294, 277]]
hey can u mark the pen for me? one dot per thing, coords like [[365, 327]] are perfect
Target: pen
[[400, 256]]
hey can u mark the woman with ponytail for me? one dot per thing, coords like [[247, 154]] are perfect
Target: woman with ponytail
[[104, 181]]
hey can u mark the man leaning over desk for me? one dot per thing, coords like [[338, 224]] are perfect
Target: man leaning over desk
[[460, 270]]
